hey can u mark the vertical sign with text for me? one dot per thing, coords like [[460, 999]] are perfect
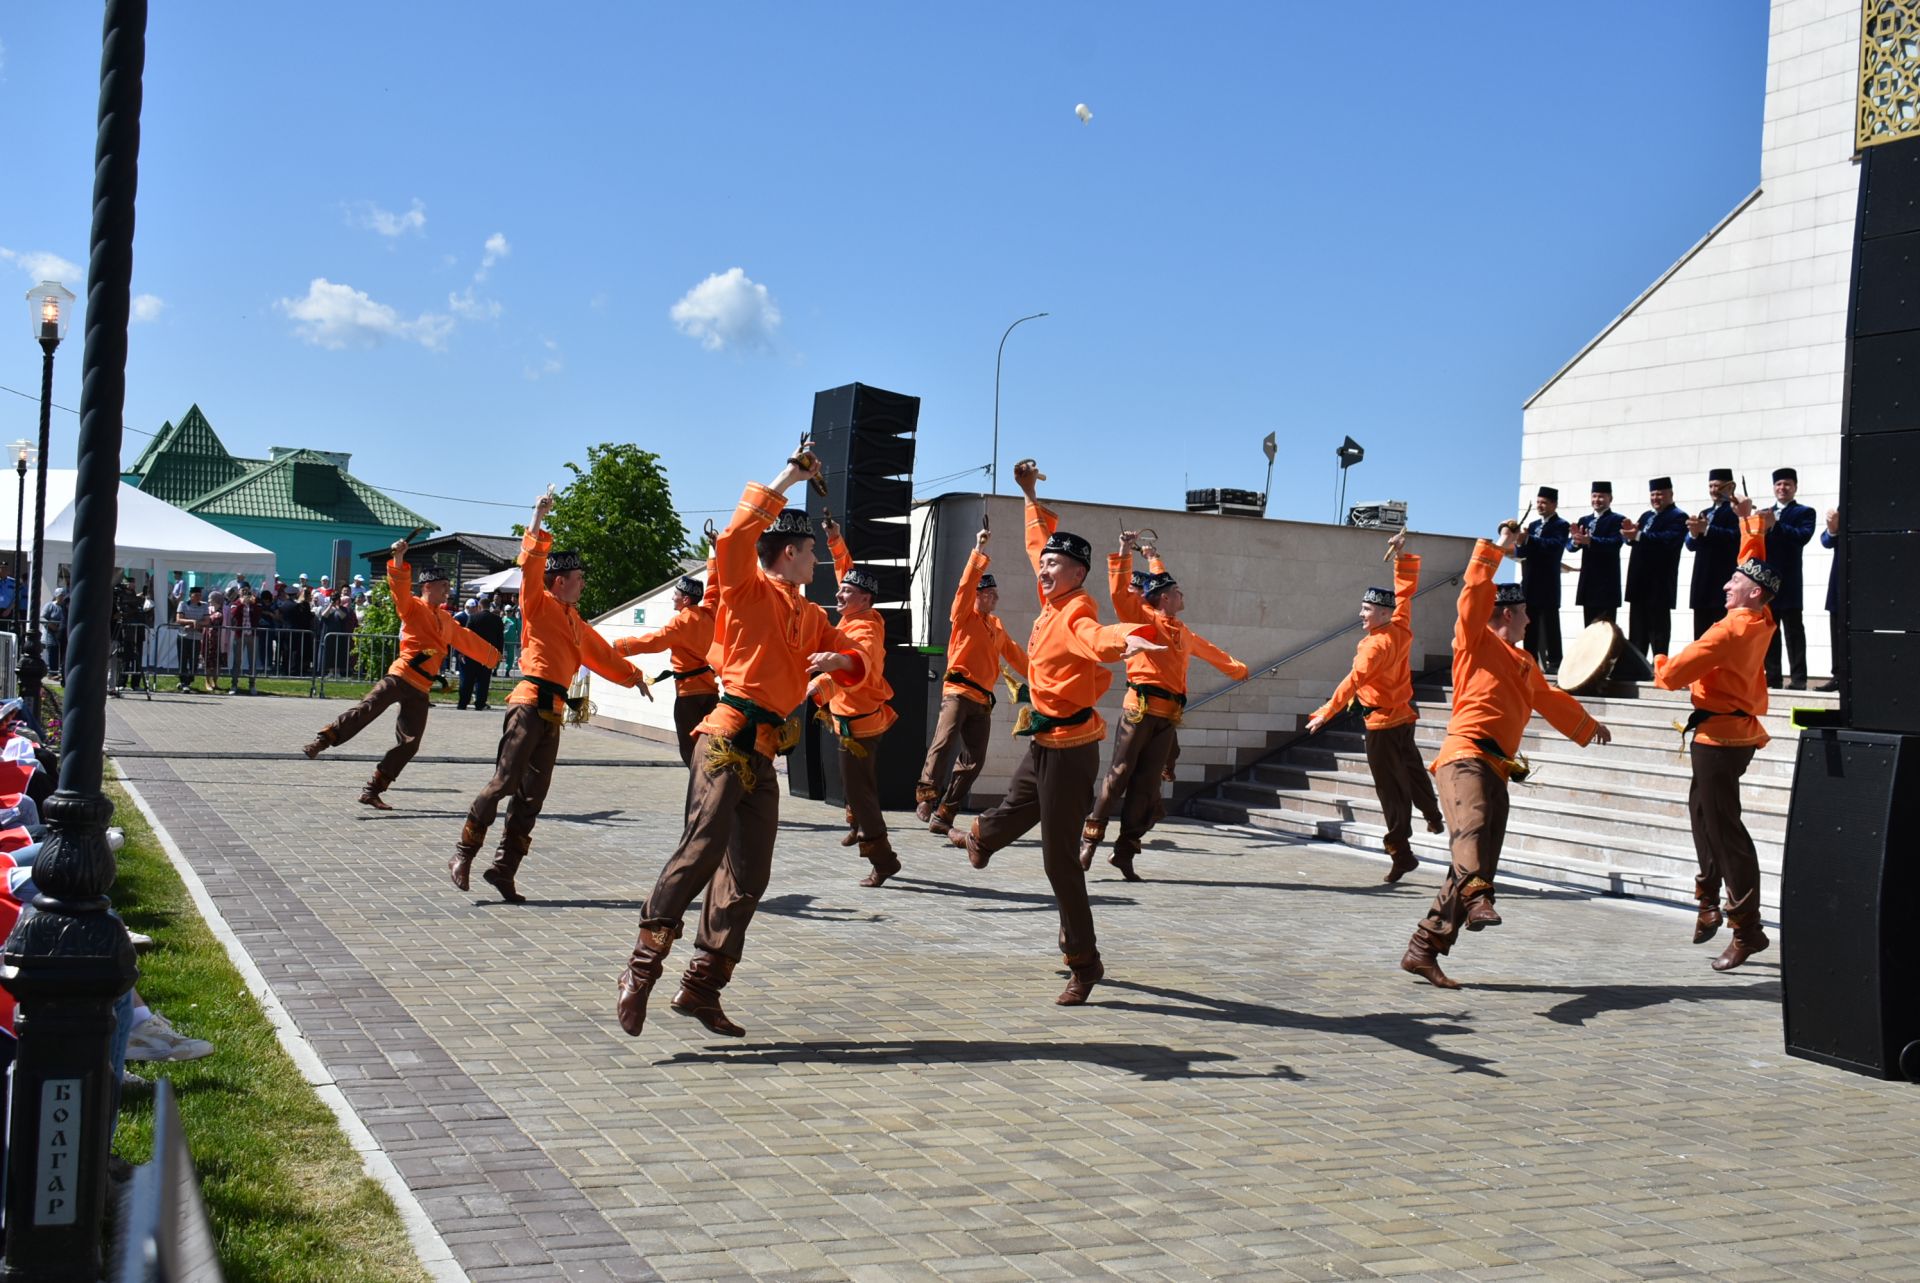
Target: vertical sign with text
[[54, 1202]]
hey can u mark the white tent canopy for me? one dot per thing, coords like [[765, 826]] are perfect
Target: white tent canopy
[[151, 535], [507, 580]]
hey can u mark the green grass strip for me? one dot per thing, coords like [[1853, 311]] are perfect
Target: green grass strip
[[284, 1189]]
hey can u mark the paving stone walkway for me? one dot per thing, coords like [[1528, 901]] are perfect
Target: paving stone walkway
[[1255, 1093]]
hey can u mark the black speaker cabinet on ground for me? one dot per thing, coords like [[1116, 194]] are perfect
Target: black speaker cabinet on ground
[[902, 751], [1849, 900]]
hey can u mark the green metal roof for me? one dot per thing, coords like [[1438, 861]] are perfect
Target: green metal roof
[[304, 486], [185, 460]]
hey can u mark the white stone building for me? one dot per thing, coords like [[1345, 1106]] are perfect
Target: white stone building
[[1736, 356]]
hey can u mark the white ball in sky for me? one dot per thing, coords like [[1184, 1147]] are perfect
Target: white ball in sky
[[1084, 112]]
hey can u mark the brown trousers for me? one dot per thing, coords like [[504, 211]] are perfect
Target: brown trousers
[[1141, 751], [1402, 781], [1052, 787], [688, 712], [861, 780], [1473, 794], [959, 741], [726, 849], [522, 774], [408, 727], [1720, 837]]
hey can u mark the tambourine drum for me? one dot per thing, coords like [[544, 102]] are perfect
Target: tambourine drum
[[1598, 654]]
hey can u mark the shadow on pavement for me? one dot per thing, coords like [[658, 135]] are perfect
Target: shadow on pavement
[[1150, 1062], [806, 907], [1001, 901], [1585, 1002], [1414, 1031]]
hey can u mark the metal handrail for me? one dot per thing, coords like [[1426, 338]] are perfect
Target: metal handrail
[[1267, 670]]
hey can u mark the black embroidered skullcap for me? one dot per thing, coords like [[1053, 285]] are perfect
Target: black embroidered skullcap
[[986, 581], [1140, 578], [1157, 584], [1720, 474], [1070, 546], [431, 575], [1660, 483], [863, 579], [691, 587], [1549, 492], [560, 562], [1761, 573], [1378, 597], [1509, 595], [1785, 474], [792, 521], [1603, 487]]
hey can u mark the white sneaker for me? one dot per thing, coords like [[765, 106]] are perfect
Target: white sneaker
[[130, 1081], [141, 941], [116, 838], [156, 1039]]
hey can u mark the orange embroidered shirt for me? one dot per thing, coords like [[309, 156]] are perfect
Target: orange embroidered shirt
[[1496, 685], [771, 628], [1167, 668], [1069, 648], [686, 638], [1382, 675], [977, 644], [1726, 667], [555, 642], [428, 635]]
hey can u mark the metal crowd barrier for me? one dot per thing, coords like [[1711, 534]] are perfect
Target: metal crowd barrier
[[164, 1234]]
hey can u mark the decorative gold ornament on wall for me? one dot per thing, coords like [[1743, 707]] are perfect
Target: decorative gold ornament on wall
[[1889, 71]]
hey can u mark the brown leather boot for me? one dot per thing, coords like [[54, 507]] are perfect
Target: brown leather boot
[[1435, 824], [942, 821], [1404, 863], [1480, 911], [499, 874], [1092, 833], [969, 841], [370, 794], [460, 863], [313, 747], [885, 863], [1706, 923], [1748, 939], [699, 994], [1123, 861], [1083, 974], [853, 830], [1421, 959], [923, 803], [636, 982]]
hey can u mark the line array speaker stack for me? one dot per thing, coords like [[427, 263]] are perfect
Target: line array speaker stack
[[1851, 881], [864, 437]]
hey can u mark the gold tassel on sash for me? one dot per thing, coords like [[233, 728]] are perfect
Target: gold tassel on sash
[[1023, 724], [723, 756], [789, 734]]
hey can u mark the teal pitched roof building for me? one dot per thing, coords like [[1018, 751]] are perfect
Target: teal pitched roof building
[[295, 502]]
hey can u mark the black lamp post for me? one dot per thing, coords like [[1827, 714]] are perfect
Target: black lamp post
[[22, 452], [69, 961], [996, 394], [49, 305]]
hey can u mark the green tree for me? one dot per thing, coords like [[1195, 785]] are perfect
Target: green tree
[[618, 514]]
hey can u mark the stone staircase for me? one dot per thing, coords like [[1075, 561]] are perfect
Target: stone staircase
[[1608, 818]]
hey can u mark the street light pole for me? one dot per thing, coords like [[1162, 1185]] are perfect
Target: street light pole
[[22, 456], [996, 395], [49, 305], [68, 963]]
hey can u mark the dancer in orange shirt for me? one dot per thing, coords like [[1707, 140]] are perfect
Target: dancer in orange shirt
[[1381, 687], [1147, 739], [1726, 671], [862, 713], [428, 638], [554, 643], [775, 640], [1067, 654], [977, 645], [686, 638], [1497, 687]]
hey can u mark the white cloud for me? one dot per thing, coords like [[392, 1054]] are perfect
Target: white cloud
[[337, 316], [43, 265], [550, 364], [727, 309], [147, 307], [496, 249], [465, 304], [372, 218]]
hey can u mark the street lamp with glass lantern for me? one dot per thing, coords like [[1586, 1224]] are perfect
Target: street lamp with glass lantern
[[22, 453], [49, 305]]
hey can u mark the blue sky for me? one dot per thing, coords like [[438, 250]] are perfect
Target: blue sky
[[1279, 219]]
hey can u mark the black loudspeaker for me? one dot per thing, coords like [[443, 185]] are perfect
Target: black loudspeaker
[[1880, 449], [813, 770], [864, 437], [1850, 895]]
